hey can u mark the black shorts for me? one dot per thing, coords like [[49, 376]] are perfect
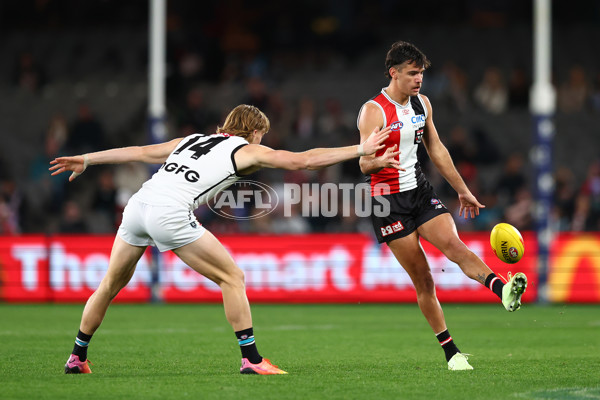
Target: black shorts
[[407, 211]]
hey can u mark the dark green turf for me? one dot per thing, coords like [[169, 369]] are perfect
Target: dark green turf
[[330, 352]]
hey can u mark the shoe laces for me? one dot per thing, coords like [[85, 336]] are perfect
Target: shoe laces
[[509, 277], [270, 363]]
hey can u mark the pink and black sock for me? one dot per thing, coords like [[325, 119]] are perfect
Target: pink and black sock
[[248, 346], [81, 345]]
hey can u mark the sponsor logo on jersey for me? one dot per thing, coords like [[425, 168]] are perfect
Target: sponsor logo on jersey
[[391, 228], [406, 111], [419, 136], [189, 174], [396, 126], [417, 119]]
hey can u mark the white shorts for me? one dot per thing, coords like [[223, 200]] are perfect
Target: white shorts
[[165, 227]]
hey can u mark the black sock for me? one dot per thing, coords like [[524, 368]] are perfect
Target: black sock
[[447, 343], [494, 283], [81, 345], [248, 346]]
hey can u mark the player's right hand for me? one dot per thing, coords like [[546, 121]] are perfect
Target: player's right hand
[[77, 164]]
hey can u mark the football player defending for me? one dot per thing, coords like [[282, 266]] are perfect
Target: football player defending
[[160, 214], [416, 211]]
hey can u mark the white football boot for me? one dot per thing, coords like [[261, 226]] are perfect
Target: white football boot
[[513, 290], [459, 362]]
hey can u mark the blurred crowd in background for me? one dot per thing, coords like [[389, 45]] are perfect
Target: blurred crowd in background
[[309, 67]]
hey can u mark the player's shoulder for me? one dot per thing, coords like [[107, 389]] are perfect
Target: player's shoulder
[[424, 98], [422, 104], [370, 112], [254, 149]]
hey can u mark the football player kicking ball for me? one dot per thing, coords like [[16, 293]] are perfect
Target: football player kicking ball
[[160, 214], [415, 209]]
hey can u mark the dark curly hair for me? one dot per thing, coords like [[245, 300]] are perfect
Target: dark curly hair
[[401, 52]]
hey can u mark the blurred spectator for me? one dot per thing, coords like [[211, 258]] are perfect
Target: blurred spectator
[[58, 130], [129, 178], [304, 126], [256, 93], [10, 207], [574, 92], [71, 220], [45, 193], [104, 202], [197, 115], [461, 148], [86, 133], [518, 89], [595, 96], [487, 151], [449, 86], [491, 94], [519, 212], [512, 180], [294, 223], [564, 198], [587, 206], [335, 125], [28, 74]]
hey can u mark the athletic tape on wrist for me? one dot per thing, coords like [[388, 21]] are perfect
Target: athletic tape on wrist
[[86, 162], [361, 150]]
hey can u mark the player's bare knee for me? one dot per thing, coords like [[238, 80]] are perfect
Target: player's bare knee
[[234, 278], [111, 287], [455, 250], [424, 284]]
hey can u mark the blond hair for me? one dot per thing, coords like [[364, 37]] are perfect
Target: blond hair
[[244, 120]]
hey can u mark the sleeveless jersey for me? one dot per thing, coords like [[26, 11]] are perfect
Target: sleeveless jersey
[[199, 168], [407, 122]]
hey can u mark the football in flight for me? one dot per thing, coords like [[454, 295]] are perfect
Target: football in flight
[[507, 243]]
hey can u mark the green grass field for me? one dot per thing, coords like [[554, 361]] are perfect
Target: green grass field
[[330, 352]]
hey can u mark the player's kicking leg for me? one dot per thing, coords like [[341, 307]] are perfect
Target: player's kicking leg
[[208, 257], [123, 260], [441, 232]]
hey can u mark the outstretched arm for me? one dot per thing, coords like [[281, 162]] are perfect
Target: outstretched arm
[[152, 154], [469, 205], [252, 157]]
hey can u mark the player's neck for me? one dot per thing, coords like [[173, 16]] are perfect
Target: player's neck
[[397, 95]]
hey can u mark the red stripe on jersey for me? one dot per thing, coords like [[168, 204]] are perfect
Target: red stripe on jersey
[[386, 181]]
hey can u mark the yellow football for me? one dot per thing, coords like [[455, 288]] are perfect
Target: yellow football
[[507, 243]]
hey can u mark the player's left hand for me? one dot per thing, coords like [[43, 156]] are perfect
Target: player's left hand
[[376, 140], [469, 205], [77, 164]]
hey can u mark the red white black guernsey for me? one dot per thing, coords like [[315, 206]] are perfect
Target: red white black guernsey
[[407, 122]]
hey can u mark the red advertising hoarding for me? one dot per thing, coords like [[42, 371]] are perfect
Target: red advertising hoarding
[[340, 268], [62, 269]]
